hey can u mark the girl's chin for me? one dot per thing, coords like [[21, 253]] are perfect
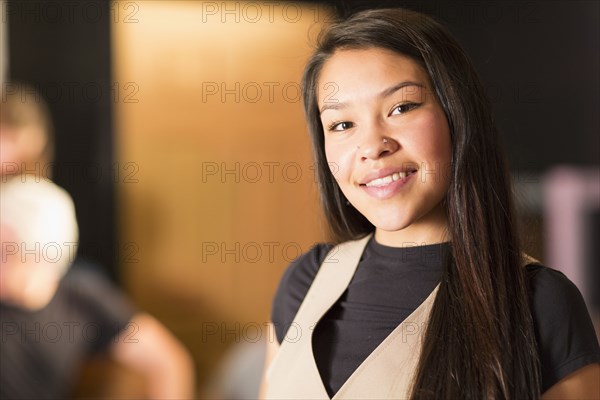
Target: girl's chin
[[390, 225], [385, 217]]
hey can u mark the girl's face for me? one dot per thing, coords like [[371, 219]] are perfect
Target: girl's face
[[388, 143]]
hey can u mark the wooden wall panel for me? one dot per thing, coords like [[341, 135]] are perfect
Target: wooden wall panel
[[199, 246]]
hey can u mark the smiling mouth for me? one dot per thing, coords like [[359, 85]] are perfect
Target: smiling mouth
[[386, 180]]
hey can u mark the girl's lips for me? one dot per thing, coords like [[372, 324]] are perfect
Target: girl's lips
[[387, 191], [384, 180], [371, 178]]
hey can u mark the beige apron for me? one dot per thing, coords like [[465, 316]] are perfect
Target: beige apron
[[386, 373]]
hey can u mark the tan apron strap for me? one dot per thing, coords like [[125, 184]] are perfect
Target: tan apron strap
[[331, 281], [293, 373]]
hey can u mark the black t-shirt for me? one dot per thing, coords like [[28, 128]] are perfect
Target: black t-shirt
[[390, 283], [42, 351]]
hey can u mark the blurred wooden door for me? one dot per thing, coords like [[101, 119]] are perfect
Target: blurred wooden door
[[216, 191]]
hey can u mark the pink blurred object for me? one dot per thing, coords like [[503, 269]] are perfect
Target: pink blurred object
[[569, 195]]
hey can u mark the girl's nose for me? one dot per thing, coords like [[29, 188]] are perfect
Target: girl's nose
[[376, 147]]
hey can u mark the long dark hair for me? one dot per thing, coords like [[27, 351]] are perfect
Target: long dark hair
[[480, 340]]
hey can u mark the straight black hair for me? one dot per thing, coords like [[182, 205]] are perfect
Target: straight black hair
[[480, 340]]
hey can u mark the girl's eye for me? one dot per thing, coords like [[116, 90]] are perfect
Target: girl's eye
[[340, 126], [403, 108]]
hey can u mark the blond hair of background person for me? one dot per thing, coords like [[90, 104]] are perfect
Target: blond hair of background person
[[26, 131]]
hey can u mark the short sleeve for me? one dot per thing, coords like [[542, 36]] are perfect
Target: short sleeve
[[101, 303], [294, 285], [566, 337]]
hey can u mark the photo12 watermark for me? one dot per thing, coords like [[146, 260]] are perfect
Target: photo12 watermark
[[38, 252], [251, 92], [68, 332], [256, 172], [72, 172], [254, 12], [249, 252], [255, 332], [71, 12], [72, 92], [64, 253]]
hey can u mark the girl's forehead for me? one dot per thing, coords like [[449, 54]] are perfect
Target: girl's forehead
[[367, 72], [349, 63]]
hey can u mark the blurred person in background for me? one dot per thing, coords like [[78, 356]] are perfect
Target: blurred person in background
[[55, 310], [26, 133]]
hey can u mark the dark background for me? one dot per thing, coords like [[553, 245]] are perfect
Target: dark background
[[63, 49], [539, 60]]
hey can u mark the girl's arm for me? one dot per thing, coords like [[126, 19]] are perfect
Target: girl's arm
[[584, 383]]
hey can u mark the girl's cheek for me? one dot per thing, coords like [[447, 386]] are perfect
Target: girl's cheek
[[338, 162], [330, 153]]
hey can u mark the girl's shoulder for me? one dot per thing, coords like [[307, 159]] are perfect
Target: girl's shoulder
[[564, 331], [294, 285], [553, 294]]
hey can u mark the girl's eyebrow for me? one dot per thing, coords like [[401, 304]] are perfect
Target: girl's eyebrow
[[391, 90], [334, 104]]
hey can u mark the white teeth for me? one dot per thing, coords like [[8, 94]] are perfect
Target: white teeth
[[387, 179]]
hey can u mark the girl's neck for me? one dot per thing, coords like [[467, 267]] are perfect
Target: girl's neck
[[430, 229]]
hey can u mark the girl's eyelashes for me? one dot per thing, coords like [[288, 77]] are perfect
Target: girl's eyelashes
[[339, 126], [403, 108], [398, 109]]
